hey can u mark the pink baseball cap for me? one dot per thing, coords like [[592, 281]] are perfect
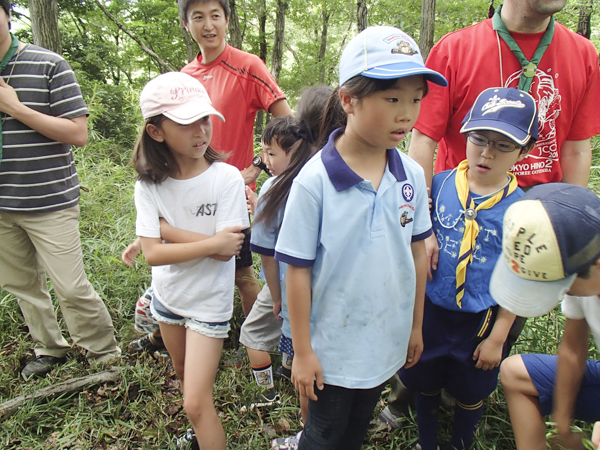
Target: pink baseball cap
[[178, 96]]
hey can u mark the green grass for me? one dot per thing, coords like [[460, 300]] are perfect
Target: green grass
[[144, 410]]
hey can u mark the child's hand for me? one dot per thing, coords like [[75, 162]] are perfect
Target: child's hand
[[229, 241], [596, 435], [430, 199], [251, 200], [415, 348], [277, 309], [488, 354], [432, 249], [131, 252], [306, 371]]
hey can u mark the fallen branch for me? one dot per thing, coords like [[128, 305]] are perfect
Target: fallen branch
[[10, 407]]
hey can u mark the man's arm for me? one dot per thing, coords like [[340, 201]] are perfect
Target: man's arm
[[280, 108], [572, 357], [422, 149], [575, 161], [69, 131]]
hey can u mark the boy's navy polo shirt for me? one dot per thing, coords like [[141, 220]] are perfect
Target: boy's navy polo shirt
[[358, 242]]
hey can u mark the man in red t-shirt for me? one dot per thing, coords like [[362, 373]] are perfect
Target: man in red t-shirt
[[565, 86], [239, 85]]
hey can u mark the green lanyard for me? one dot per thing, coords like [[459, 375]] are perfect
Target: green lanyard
[[529, 67], [9, 54]]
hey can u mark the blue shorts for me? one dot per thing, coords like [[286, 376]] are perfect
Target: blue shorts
[[285, 345], [449, 340], [217, 330], [542, 371]]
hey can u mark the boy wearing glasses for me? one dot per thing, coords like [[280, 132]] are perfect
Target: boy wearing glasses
[[464, 330]]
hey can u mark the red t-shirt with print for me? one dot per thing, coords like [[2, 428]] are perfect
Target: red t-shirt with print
[[566, 89], [239, 85]]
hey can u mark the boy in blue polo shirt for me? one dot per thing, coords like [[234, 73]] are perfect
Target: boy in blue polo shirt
[[464, 330], [353, 238]]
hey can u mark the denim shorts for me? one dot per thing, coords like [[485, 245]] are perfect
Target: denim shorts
[[217, 330]]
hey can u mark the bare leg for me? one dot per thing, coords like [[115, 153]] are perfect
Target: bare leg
[[202, 354], [247, 286], [174, 338], [523, 403]]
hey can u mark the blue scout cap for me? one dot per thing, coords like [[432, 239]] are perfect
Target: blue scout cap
[[384, 52], [549, 235], [507, 111]]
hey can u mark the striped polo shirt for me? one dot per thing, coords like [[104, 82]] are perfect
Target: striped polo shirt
[[38, 174]]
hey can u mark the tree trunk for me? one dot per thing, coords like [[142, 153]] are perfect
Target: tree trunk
[[361, 15], [427, 27], [584, 25], [259, 123], [235, 35], [189, 42], [262, 33], [323, 47], [278, 42], [44, 24]]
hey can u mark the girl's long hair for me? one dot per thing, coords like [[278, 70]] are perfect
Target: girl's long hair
[[154, 161], [358, 87], [293, 137]]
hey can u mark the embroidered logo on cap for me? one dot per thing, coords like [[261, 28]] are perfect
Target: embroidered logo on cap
[[404, 48], [496, 103]]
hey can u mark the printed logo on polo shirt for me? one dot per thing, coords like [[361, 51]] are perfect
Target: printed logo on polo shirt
[[404, 219], [408, 192]]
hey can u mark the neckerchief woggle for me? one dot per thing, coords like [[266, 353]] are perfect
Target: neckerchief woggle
[[465, 254], [529, 67], [9, 54]]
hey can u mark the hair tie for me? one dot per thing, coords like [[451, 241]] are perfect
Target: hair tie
[[301, 131]]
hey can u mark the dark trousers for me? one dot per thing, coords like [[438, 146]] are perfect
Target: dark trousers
[[339, 419]]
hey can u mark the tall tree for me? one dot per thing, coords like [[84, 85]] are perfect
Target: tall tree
[[262, 29], [279, 36], [325, 15], [427, 27], [44, 24], [584, 25], [361, 15], [235, 34]]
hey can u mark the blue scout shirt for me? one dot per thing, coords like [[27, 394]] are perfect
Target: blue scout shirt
[[357, 241], [448, 219], [262, 241]]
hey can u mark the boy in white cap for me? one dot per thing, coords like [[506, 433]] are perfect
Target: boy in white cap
[[551, 245]]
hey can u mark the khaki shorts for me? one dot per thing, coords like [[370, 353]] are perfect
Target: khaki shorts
[[261, 329]]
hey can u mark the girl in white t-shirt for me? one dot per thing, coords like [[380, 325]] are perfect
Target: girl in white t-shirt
[[191, 209]]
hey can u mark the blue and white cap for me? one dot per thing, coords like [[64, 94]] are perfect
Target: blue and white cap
[[549, 235], [507, 111], [384, 52]]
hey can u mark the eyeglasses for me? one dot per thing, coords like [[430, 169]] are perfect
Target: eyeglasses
[[501, 146]]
